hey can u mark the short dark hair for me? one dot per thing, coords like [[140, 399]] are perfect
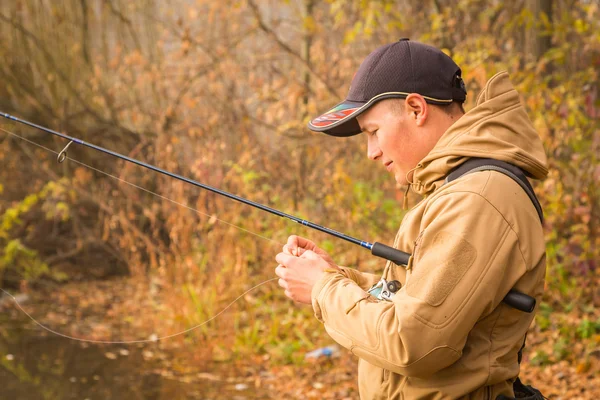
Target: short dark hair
[[453, 108]]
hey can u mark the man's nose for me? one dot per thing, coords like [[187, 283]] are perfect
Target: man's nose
[[373, 150]]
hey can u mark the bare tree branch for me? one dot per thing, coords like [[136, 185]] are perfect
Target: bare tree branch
[[262, 25], [36, 41], [203, 71], [146, 239], [52, 63], [84, 31], [126, 21]]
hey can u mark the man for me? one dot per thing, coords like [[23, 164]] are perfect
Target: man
[[446, 333]]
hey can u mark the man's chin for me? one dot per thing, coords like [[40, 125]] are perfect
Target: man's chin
[[400, 179]]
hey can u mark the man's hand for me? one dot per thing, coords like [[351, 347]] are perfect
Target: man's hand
[[298, 275], [297, 245]]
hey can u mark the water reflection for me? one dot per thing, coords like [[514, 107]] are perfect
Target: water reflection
[[36, 365]]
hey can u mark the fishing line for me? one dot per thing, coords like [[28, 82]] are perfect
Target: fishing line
[[164, 198], [145, 190], [514, 298], [135, 341]]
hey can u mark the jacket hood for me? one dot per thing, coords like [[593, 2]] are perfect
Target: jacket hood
[[497, 127]]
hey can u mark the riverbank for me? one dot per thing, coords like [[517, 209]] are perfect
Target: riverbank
[[37, 364], [212, 362]]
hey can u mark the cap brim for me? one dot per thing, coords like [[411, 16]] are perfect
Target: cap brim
[[340, 120]]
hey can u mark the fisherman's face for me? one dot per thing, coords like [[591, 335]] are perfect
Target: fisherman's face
[[395, 137]]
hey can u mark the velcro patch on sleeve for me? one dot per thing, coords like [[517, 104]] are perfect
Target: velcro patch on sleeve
[[439, 267]]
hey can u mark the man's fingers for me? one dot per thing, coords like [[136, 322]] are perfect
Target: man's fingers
[[283, 284], [293, 251], [284, 259], [291, 246], [280, 271], [288, 250], [295, 241]]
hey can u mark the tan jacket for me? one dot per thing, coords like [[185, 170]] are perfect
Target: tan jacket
[[447, 334]]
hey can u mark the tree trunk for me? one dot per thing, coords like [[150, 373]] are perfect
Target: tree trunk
[[307, 11], [306, 44], [537, 38]]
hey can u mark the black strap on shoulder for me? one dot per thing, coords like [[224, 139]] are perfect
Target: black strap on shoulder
[[515, 299], [489, 164]]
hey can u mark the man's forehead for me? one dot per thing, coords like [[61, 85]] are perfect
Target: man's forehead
[[368, 120]]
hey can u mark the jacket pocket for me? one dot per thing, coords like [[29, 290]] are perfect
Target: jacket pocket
[[436, 273]]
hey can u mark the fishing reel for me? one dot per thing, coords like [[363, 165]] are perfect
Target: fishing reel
[[384, 290]]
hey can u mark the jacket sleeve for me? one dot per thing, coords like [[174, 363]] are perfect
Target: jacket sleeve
[[364, 280], [466, 259]]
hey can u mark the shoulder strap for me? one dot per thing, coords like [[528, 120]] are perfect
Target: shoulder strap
[[489, 164]]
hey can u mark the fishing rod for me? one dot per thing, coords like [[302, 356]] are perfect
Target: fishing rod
[[514, 298]]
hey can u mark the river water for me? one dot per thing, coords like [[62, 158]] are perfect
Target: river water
[[36, 365]]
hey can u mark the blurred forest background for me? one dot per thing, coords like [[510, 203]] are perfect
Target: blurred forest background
[[220, 92]]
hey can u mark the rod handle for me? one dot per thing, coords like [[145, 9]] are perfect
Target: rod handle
[[520, 301], [389, 253]]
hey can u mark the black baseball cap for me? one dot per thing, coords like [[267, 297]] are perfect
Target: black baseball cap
[[394, 71]]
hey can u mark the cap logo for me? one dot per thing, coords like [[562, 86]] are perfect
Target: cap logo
[[333, 116]]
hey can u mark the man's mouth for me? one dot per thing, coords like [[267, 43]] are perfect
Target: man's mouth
[[388, 165]]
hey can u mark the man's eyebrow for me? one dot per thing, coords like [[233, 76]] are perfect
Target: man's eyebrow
[[368, 127]]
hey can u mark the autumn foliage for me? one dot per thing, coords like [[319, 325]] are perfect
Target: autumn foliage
[[221, 92]]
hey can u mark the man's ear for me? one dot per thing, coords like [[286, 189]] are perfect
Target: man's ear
[[417, 108]]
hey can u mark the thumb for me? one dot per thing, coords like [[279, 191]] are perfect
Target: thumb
[[293, 250]]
